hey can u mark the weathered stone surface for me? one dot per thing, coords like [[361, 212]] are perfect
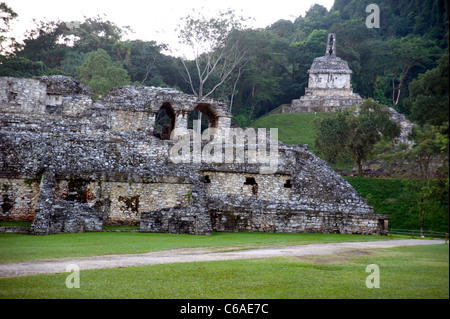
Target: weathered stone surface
[[193, 219], [14, 230], [18, 199], [81, 164]]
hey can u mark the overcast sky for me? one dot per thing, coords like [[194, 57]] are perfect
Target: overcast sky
[[153, 20]]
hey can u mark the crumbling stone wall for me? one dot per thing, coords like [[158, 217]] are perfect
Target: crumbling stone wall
[[192, 219], [123, 202], [18, 198], [73, 164], [54, 215], [263, 186], [289, 221]]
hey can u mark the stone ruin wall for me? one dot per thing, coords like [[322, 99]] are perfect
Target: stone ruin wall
[[18, 199], [71, 164]]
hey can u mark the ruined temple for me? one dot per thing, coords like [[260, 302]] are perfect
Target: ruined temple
[[329, 84], [69, 164]]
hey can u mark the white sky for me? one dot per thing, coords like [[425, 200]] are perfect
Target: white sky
[[153, 20]]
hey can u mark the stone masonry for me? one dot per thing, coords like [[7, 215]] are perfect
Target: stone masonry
[[71, 164]]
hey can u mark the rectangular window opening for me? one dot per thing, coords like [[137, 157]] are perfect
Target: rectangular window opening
[[12, 96], [288, 184], [250, 181]]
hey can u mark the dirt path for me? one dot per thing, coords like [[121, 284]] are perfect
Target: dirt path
[[27, 268]]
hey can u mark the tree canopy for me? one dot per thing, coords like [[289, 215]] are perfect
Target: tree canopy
[[429, 95], [101, 74], [355, 132], [6, 15]]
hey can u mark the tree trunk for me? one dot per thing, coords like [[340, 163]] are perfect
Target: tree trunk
[[393, 91], [234, 87], [422, 219], [359, 162], [400, 85]]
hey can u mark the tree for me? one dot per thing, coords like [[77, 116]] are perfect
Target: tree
[[24, 68], [95, 33], [7, 44], [101, 74], [409, 51], [331, 136], [51, 41], [425, 171], [216, 48], [265, 67], [46, 43], [355, 133], [147, 65], [72, 61], [429, 95], [304, 53], [317, 17]]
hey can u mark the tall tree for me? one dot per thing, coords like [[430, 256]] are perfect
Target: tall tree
[[147, 65], [355, 134], [7, 44], [429, 95], [216, 47], [96, 33], [101, 74], [51, 41], [409, 52], [424, 171], [46, 43]]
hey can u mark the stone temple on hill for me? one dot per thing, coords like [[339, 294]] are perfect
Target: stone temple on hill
[[329, 84]]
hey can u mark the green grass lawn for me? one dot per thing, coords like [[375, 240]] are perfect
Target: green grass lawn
[[386, 196], [295, 128], [405, 272], [14, 247]]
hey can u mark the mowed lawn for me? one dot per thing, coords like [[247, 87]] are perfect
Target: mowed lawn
[[15, 248], [404, 272]]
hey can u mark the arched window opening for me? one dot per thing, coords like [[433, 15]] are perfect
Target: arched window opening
[[206, 112], [164, 121], [254, 185]]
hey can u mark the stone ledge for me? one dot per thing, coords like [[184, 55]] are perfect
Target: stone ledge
[[14, 230]]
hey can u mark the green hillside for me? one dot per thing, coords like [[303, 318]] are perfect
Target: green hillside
[[388, 196], [295, 128]]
